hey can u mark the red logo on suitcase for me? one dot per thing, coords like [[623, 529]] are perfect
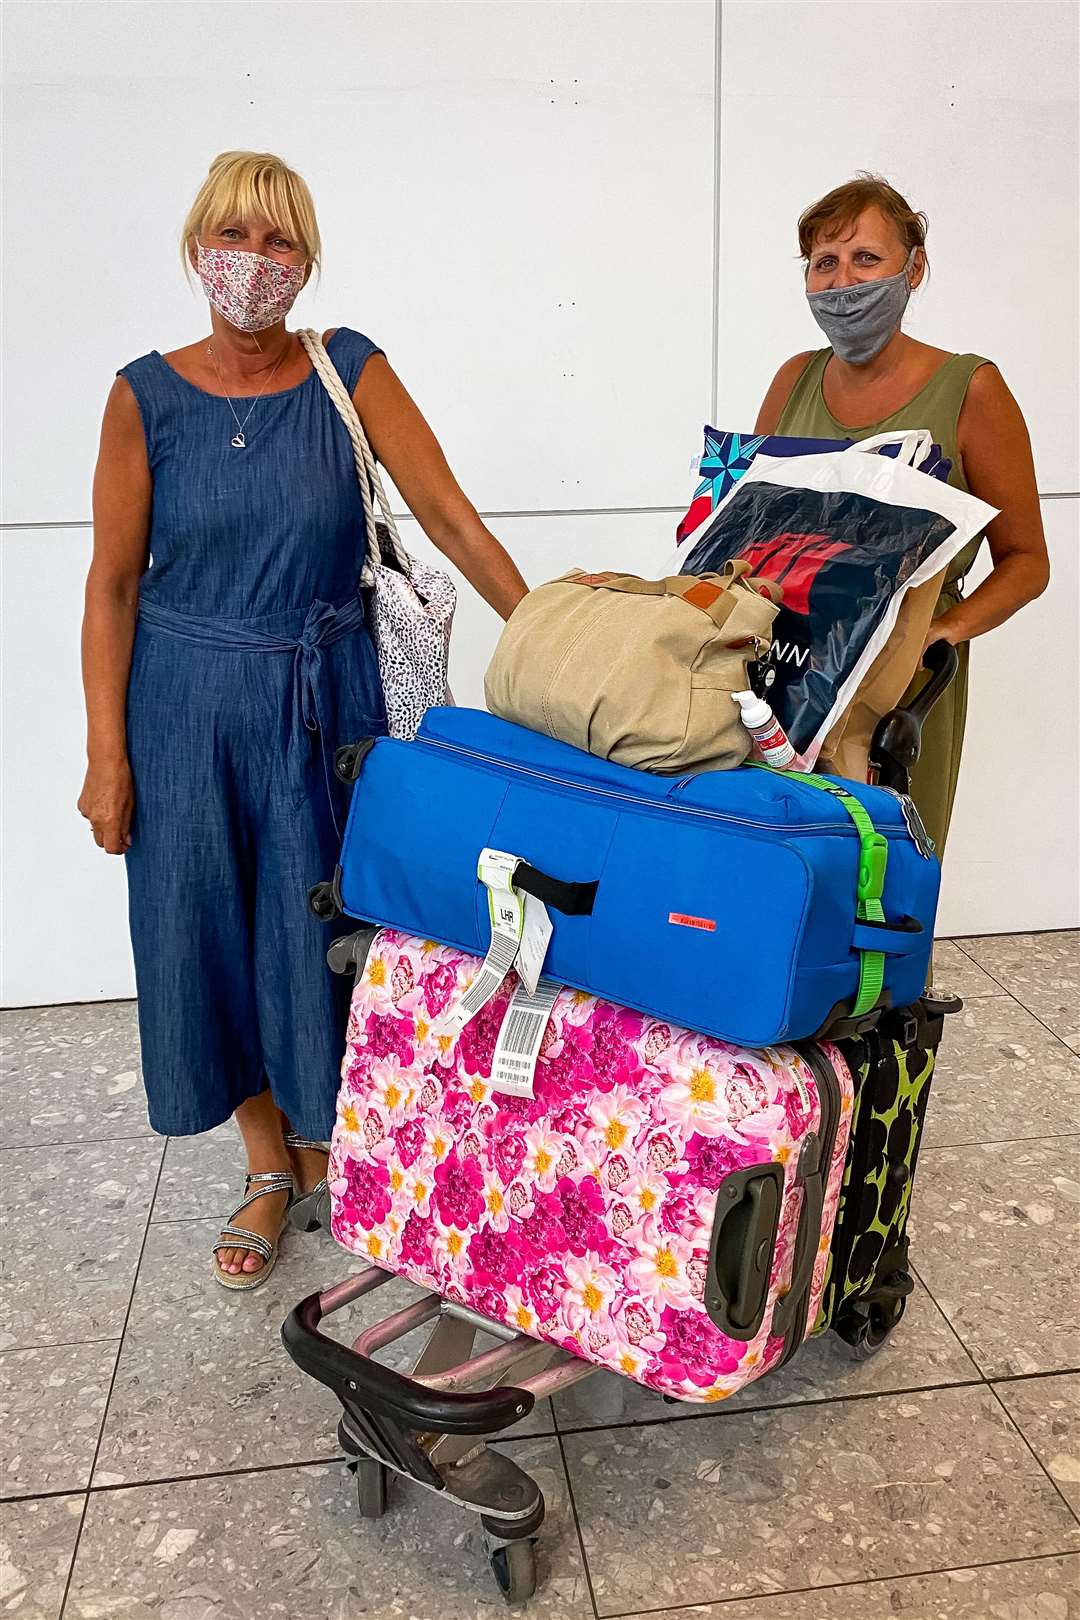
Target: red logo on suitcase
[[681, 920]]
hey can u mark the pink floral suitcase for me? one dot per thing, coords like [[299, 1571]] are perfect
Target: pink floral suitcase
[[662, 1205]]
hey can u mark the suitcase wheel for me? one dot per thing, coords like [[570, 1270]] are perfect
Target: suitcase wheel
[[514, 1569], [371, 1487], [865, 1328]]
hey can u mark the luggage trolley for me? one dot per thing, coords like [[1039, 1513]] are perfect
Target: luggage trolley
[[433, 1425]]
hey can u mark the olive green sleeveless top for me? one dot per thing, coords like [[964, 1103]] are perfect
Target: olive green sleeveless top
[[936, 407]]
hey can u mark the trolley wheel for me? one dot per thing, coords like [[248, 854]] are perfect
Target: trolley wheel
[[866, 1329], [514, 1568], [349, 761], [371, 1487], [322, 902]]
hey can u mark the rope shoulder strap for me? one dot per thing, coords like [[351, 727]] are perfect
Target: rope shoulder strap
[[367, 470], [873, 859]]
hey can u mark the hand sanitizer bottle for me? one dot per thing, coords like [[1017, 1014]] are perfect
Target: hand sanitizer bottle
[[772, 740]]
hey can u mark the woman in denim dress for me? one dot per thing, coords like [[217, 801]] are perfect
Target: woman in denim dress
[[223, 612]]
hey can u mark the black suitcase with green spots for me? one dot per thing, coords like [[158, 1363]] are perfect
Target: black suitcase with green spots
[[892, 1062], [868, 1280]]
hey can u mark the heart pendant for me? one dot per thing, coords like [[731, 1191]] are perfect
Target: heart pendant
[[238, 442]]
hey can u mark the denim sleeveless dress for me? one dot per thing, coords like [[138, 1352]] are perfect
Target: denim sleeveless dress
[[252, 662]]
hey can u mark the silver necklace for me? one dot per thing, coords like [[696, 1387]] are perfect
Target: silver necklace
[[238, 441]]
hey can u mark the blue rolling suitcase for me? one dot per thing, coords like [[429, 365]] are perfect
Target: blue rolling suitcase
[[754, 906]]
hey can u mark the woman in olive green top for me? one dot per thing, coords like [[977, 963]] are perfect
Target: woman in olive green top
[[864, 250]]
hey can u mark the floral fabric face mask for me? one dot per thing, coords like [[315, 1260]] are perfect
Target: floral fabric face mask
[[248, 290]]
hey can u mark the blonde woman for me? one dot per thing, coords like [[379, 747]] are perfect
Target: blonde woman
[[225, 656]]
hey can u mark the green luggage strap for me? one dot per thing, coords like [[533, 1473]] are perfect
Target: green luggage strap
[[873, 858]]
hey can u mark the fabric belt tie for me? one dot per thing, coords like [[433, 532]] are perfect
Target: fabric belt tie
[[323, 625]]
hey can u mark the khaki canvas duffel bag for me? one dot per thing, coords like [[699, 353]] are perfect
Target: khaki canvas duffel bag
[[639, 671]]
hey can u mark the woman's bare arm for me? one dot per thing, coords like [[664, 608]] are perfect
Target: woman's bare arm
[[772, 406], [122, 493], [402, 440], [996, 452]]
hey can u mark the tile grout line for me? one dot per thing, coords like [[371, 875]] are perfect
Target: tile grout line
[[554, 1434], [1006, 1141], [996, 1141], [112, 1383], [63, 1344], [834, 1586], [1014, 1423], [51, 1006], [587, 1572], [189, 1479], [1032, 1377], [43, 1496], [950, 939], [913, 1267], [989, 1379], [228, 1473], [91, 1141], [702, 1411], [1030, 1010]]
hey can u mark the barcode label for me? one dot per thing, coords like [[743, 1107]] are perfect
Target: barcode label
[[500, 958], [495, 870], [513, 1066], [535, 937]]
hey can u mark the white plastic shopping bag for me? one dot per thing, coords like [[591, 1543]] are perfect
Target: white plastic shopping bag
[[847, 534]]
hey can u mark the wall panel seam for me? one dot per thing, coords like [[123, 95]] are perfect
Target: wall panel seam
[[535, 511], [718, 35]]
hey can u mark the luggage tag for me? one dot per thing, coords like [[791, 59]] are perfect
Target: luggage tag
[[513, 1065], [919, 835], [535, 938], [520, 931], [495, 869]]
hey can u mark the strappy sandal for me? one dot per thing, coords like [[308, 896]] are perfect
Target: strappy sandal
[[311, 1210], [263, 1183]]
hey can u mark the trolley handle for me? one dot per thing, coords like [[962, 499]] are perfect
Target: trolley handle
[[897, 740], [358, 1381]]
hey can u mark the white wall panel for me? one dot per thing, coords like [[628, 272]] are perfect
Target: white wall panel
[[64, 914], [1012, 855], [63, 923], [1011, 865], [970, 109], [516, 201], [543, 548]]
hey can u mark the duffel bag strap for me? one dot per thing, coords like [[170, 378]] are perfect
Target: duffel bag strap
[[873, 859], [711, 594]]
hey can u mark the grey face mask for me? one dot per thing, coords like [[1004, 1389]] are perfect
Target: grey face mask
[[859, 320]]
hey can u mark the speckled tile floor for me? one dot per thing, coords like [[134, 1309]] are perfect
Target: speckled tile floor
[[163, 1460]]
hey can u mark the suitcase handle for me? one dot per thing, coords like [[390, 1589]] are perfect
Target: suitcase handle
[[900, 938], [897, 740], [572, 899], [748, 1205], [748, 1208]]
